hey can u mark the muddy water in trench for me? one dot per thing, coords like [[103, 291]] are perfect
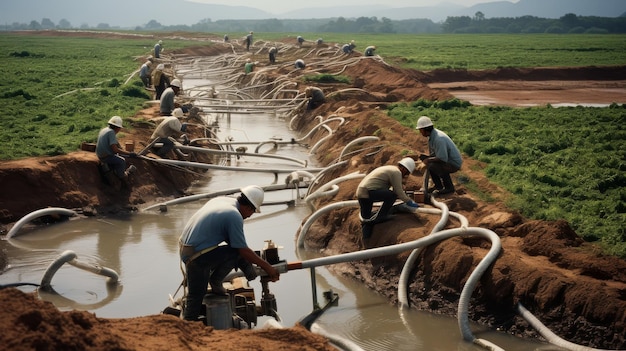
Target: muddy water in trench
[[142, 249]]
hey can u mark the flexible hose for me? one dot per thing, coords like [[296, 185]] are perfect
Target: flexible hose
[[51, 211]]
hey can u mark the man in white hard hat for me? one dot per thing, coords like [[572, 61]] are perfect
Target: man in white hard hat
[[144, 73], [207, 259], [158, 47], [170, 127], [375, 187], [108, 149], [443, 157], [369, 51], [167, 98]]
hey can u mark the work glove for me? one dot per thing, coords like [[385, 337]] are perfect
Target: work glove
[[423, 157], [412, 204], [132, 154]]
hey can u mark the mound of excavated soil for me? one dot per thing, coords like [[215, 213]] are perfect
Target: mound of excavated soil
[[577, 292]]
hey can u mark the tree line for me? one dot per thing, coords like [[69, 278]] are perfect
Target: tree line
[[569, 23]]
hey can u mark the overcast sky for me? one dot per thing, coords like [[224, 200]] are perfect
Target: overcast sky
[[280, 6]]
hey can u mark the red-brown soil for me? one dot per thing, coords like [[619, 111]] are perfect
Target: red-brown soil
[[567, 283]]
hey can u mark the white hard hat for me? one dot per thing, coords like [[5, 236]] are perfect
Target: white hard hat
[[160, 41], [116, 121], [178, 112], [423, 122], [408, 163], [175, 83], [254, 194], [160, 67]]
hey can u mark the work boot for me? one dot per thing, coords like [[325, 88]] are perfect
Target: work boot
[[217, 288], [448, 186]]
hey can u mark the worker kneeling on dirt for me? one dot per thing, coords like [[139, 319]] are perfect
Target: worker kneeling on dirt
[[316, 97], [170, 127], [167, 103], [108, 149], [207, 259], [443, 157], [375, 187]]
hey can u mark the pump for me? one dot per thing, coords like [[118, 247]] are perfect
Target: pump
[[238, 309]]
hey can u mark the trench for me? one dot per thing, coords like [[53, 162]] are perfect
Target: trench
[[143, 248]]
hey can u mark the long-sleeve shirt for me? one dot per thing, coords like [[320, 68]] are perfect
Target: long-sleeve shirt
[[170, 126], [167, 101], [382, 178]]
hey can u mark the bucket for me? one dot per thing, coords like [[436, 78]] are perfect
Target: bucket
[[130, 146], [219, 313]]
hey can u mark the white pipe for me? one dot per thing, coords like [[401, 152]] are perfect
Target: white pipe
[[226, 168], [323, 190], [70, 257], [341, 342], [36, 214], [307, 224], [551, 337]]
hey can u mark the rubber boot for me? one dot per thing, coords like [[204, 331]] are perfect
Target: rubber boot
[[448, 186]]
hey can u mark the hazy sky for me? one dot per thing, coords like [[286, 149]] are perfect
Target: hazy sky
[[280, 6]]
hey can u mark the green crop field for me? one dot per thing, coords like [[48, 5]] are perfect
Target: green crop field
[[481, 51], [567, 163]]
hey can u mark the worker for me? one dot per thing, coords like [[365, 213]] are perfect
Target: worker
[[443, 157], [375, 187], [299, 64], [348, 48], [315, 97], [249, 67], [248, 40], [167, 98], [213, 243], [300, 40], [226, 38], [369, 51], [319, 41], [144, 74], [272, 54], [170, 127], [109, 151], [160, 80], [158, 48]]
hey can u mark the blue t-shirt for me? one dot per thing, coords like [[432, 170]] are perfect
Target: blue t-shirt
[[217, 221], [106, 138], [441, 146]]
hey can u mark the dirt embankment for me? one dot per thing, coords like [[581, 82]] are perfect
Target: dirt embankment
[[578, 293]]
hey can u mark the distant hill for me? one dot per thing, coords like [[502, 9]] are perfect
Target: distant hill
[[133, 13]]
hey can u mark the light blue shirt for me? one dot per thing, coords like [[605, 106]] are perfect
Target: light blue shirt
[[217, 221], [106, 138], [441, 146]]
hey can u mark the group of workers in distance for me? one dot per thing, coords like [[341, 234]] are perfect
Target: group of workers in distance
[[213, 242]]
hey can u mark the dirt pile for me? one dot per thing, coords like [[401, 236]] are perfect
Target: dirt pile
[[577, 292], [32, 324]]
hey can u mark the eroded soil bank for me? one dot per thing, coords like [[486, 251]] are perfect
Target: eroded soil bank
[[578, 293]]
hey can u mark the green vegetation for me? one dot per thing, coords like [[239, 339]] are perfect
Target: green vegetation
[[58, 92], [327, 78], [559, 163], [482, 51]]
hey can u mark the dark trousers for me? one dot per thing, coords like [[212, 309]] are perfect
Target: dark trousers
[[440, 174], [388, 197], [213, 266], [168, 145], [116, 163]]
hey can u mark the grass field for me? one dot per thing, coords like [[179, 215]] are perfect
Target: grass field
[[559, 163]]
